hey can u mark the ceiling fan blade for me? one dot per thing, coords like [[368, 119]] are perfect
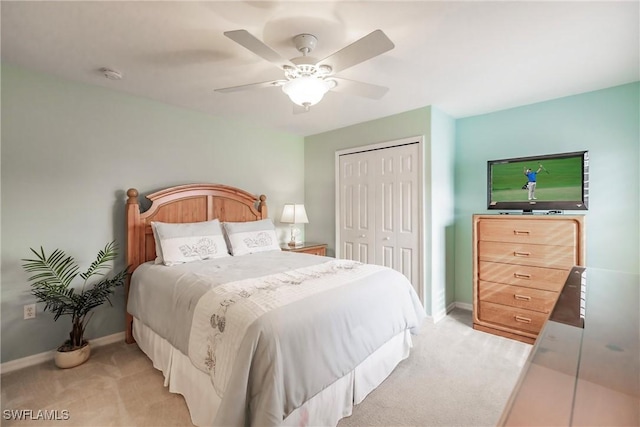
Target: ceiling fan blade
[[272, 83], [353, 87], [248, 41], [367, 47]]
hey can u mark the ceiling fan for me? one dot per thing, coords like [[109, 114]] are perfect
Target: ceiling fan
[[308, 79]]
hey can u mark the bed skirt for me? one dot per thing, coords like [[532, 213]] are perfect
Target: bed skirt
[[326, 408]]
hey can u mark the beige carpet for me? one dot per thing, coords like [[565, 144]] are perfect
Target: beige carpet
[[455, 376]]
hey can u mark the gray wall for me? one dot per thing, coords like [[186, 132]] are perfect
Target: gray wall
[[605, 122], [69, 153]]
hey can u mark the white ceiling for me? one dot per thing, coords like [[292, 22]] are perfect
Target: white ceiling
[[466, 58]]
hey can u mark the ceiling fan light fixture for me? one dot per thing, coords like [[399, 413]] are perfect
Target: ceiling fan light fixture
[[306, 91], [306, 79]]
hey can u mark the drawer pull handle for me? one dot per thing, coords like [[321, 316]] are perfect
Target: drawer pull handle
[[521, 276], [521, 232], [522, 319], [516, 253], [363, 235], [522, 297]]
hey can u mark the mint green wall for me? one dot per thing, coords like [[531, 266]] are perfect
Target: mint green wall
[[70, 151], [441, 205], [605, 122]]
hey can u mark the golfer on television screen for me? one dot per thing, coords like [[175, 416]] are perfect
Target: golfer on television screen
[[531, 185]]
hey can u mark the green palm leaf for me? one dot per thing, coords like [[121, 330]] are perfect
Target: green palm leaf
[[51, 284], [105, 256], [56, 269]]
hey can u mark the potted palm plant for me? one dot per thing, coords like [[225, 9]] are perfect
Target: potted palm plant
[[51, 283]]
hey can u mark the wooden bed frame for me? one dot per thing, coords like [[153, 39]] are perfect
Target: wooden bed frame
[[181, 204]]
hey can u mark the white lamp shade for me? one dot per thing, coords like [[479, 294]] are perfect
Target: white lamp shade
[[294, 214], [306, 91]]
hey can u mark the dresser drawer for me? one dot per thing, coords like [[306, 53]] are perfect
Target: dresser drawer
[[516, 296], [512, 317], [541, 232], [550, 279], [562, 257]]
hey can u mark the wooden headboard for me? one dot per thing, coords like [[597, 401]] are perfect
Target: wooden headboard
[[184, 203]]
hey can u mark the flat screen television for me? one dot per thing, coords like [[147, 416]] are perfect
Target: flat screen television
[[553, 182]]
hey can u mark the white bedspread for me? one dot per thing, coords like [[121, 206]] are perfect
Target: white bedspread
[[271, 342], [164, 297]]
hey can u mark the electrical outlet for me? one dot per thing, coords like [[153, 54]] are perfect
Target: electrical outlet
[[29, 311]]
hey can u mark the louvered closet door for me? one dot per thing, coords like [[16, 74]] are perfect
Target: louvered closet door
[[379, 211], [356, 204], [396, 210]]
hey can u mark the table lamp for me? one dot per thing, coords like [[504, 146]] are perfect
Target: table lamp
[[294, 214]]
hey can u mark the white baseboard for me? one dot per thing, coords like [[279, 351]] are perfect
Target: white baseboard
[[442, 314], [14, 365], [439, 316], [462, 305]]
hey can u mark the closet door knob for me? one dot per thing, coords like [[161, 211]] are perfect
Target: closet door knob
[[363, 235], [387, 238]]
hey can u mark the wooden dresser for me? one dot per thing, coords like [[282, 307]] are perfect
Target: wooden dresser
[[520, 263]]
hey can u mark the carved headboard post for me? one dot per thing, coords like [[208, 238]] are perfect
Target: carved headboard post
[[262, 206], [133, 251]]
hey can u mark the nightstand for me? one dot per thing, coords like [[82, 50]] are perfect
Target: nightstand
[[307, 248]]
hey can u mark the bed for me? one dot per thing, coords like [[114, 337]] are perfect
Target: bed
[[262, 337]]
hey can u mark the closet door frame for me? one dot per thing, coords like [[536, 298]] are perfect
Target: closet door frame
[[421, 210]]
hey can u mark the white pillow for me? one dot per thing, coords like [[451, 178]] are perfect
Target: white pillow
[[251, 237], [156, 239], [180, 243]]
